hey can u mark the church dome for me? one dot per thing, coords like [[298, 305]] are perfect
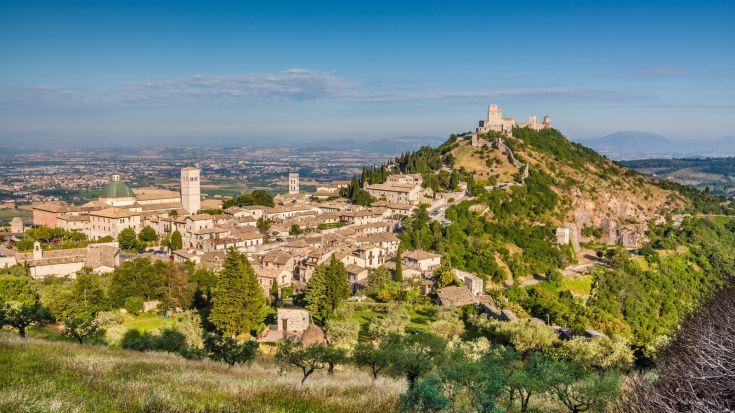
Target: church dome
[[116, 189]]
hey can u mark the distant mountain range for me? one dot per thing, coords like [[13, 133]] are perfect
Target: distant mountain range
[[642, 145]]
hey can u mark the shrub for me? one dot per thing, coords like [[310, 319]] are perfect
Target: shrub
[[134, 305]]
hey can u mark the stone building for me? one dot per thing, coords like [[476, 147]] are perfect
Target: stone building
[[293, 183], [495, 122], [190, 189]]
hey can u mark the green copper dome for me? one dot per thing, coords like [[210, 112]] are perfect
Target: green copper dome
[[117, 189]]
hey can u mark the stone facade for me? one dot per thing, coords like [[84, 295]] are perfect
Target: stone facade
[[293, 183], [495, 122], [190, 190]]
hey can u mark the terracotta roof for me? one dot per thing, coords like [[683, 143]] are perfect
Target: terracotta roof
[[112, 213], [419, 255], [456, 296]]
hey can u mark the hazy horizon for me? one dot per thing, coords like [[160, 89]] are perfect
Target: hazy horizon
[[153, 73]]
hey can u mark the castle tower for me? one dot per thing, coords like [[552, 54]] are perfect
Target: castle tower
[[494, 114], [293, 183], [547, 121], [190, 190]]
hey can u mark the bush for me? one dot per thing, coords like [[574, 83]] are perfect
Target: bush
[[134, 305]]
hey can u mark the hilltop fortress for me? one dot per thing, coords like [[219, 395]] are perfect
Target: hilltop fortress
[[497, 123]]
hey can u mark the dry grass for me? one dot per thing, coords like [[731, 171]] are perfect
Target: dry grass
[[42, 376]]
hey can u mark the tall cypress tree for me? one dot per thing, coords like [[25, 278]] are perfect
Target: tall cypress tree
[[399, 266], [327, 288], [238, 302]]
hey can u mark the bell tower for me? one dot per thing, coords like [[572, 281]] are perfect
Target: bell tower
[[191, 198]]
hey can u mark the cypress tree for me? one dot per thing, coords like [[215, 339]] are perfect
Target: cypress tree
[[399, 266], [238, 302]]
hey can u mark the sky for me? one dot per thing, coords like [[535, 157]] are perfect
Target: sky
[[155, 72]]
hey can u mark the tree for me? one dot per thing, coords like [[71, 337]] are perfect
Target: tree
[[327, 288], [238, 302], [376, 357], [295, 230], [176, 243], [82, 329], [263, 224], [448, 325], [399, 266], [127, 239], [229, 350], [275, 293], [134, 305], [173, 213], [18, 289], [425, 396], [603, 353], [85, 299], [417, 355], [21, 316], [342, 328], [380, 285], [309, 359], [579, 390], [148, 234], [394, 322]]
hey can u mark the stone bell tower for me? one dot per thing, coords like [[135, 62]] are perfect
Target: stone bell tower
[[191, 198]]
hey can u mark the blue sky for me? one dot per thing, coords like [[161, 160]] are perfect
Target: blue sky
[[253, 71]]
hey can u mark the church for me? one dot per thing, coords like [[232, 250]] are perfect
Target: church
[[119, 207]]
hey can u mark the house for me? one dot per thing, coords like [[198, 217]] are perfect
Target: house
[[366, 256], [109, 222], [472, 282], [357, 276], [425, 261], [455, 296]]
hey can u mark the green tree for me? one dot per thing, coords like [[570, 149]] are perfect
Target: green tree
[[20, 316], [380, 285], [18, 289], [176, 243], [229, 350], [134, 305], [238, 302], [376, 357], [148, 234], [85, 299], [393, 322], [417, 355], [308, 359], [82, 329], [263, 224], [327, 288], [579, 390], [127, 239], [295, 230], [399, 266], [425, 396]]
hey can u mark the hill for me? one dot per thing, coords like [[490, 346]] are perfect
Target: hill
[[642, 145], [717, 174], [584, 189], [44, 376]]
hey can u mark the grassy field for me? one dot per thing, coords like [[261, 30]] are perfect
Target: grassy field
[[43, 376], [578, 286], [7, 214]]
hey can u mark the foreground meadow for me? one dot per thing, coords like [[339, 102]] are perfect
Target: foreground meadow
[[43, 376]]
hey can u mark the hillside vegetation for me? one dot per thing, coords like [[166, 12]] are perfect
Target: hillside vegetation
[[43, 376]]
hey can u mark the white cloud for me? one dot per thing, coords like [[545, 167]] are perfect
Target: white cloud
[[292, 84]]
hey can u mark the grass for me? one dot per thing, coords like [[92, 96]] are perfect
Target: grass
[[419, 316], [43, 376], [7, 214], [578, 286]]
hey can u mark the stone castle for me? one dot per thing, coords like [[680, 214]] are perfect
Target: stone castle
[[497, 123]]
